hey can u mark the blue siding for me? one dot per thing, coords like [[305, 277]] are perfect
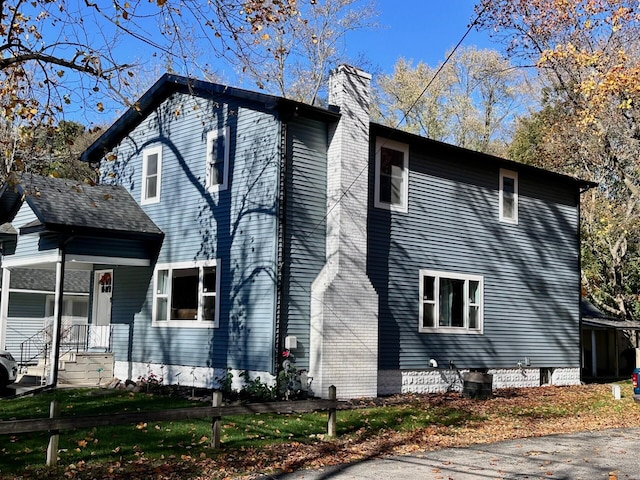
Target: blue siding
[[29, 245], [29, 308], [530, 270], [237, 226], [305, 226]]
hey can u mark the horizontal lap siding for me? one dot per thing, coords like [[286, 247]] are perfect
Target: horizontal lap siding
[[26, 318], [305, 226], [236, 225], [28, 245], [530, 270]]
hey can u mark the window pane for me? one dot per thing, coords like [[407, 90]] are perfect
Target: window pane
[[391, 175], [209, 309], [508, 191], [161, 309], [216, 173], [163, 283], [428, 288], [152, 187], [184, 294], [451, 302], [209, 279], [473, 317], [152, 164], [474, 292], [429, 315], [508, 187]]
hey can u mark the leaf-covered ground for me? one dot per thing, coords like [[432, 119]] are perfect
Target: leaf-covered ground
[[510, 414]]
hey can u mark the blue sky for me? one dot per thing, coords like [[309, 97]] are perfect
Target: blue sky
[[421, 30]]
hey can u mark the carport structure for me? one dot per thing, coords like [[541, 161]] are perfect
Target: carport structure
[[60, 224], [609, 345]]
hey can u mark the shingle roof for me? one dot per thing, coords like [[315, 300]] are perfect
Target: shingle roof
[[75, 281], [63, 205]]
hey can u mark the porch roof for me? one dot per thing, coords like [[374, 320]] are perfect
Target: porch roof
[[74, 207], [593, 317]]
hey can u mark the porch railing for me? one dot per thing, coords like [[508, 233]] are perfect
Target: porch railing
[[74, 337]]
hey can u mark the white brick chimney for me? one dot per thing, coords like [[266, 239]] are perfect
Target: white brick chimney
[[344, 305]]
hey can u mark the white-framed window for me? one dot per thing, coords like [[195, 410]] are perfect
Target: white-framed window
[[391, 175], [508, 196], [450, 302], [151, 174], [186, 294], [217, 169]]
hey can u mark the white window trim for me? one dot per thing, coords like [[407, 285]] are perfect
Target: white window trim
[[456, 276], [504, 173], [401, 147], [143, 191], [212, 136], [186, 323]]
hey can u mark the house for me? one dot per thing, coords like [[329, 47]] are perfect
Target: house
[[234, 225]]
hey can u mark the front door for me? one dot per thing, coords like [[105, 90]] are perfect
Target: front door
[[100, 330]]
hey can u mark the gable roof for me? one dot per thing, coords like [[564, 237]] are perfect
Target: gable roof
[[70, 206], [169, 84]]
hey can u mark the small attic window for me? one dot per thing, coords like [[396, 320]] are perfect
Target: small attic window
[[217, 167], [392, 175], [151, 175]]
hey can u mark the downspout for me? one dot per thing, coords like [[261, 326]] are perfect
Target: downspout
[[280, 313]]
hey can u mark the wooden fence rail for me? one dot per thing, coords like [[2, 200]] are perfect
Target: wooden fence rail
[[55, 424]]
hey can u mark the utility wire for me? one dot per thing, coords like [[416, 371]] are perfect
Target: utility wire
[[413, 105]]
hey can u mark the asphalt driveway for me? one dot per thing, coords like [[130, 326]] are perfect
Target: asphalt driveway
[[606, 454]]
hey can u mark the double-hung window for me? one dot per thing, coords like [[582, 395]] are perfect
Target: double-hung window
[[217, 170], [151, 175], [450, 302], [186, 294], [508, 196], [391, 175]]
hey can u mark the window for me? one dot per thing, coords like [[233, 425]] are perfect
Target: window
[[508, 196], [151, 172], [391, 175], [186, 294], [450, 302], [217, 159]]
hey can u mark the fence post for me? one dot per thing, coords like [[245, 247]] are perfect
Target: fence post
[[54, 437], [216, 421], [331, 423]]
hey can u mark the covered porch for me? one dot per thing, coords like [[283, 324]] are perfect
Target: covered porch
[[60, 229]]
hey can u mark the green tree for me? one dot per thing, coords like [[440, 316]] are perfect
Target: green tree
[[470, 101], [587, 55], [292, 58]]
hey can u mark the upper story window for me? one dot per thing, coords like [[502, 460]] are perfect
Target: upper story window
[[391, 175], [450, 302], [151, 174], [508, 196], [186, 294], [217, 159]]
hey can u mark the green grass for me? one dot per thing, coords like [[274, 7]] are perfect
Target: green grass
[[21, 452], [192, 438]]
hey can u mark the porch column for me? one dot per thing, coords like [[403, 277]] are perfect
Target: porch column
[[57, 322], [4, 308], [594, 357]]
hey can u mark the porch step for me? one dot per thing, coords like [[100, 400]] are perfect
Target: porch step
[[82, 368]]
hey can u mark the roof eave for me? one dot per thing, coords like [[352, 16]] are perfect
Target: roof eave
[[168, 84]]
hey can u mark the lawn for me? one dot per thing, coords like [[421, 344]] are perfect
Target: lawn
[[272, 443]]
